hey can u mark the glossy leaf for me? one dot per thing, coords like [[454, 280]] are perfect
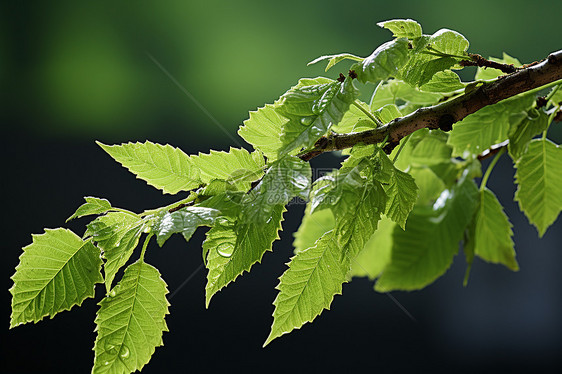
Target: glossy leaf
[[161, 166], [184, 221], [93, 205], [56, 271], [130, 321], [422, 65], [402, 28], [425, 250], [233, 248], [539, 181], [312, 110], [117, 234], [386, 61]]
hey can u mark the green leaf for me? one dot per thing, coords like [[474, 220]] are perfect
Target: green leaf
[[334, 59], [394, 91], [444, 82], [425, 250], [388, 112], [184, 221], [557, 97], [117, 234], [490, 73], [234, 247], [355, 120], [57, 271], [316, 275], [533, 123], [286, 178], [401, 191], [130, 321], [263, 130], [376, 253], [93, 205], [386, 61], [161, 166], [312, 110], [312, 227], [486, 127], [422, 66], [238, 166], [402, 28], [539, 181], [492, 232], [425, 148]]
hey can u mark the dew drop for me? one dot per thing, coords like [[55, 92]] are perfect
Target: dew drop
[[110, 349], [124, 352], [112, 293], [106, 363], [307, 121], [225, 249]]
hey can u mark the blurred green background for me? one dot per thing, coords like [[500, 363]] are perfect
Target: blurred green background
[[81, 69], [74, 72]]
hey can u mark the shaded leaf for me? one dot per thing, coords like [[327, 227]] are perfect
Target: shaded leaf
[[539, 190], [520, 134]]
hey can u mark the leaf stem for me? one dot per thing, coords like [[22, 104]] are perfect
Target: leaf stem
[[400, 149], [145, 245], [368, 113], [489, 169]]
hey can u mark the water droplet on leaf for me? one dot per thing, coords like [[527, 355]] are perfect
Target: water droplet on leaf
[[112, 293], [307, 121], [225, 249], [124, 352]]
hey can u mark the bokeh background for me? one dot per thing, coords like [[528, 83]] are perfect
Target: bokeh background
[[75, 72]]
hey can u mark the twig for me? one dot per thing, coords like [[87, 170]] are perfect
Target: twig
[[445, 114]]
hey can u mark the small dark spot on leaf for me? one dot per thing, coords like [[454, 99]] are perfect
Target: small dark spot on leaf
[[341, 78]]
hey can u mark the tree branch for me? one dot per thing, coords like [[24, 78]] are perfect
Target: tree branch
[[443, 116]]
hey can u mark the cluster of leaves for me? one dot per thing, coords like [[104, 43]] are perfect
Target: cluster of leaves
[[396, 218]]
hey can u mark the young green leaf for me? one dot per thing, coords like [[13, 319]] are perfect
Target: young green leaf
[[286, 178], [533, 123], [184, 221], [486, 127], [312, 110], [401, 191], [161, 166], [117, 234], [444, 82], [355, 119], [539, 181], [394, 91], [57, 271], [334, 59], [93, 205], [316, 274], [432, 54], [402, 28], [238, 166], [492, 232], [425, 250], [376, 253], [312, 227], [130, 321], [233, 248], [263, 131], [385, 62]]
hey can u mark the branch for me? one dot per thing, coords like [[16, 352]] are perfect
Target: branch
[[443, 116]]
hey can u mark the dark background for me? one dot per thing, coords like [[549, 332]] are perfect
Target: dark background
[[75, 73]]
